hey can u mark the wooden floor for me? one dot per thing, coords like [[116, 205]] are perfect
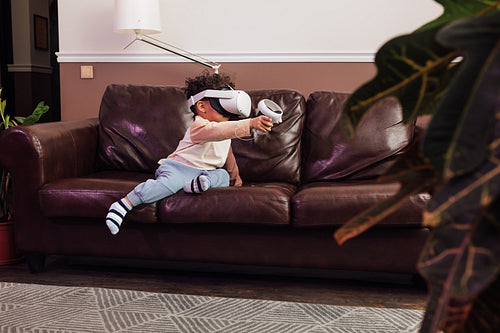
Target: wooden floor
[[393, 292]]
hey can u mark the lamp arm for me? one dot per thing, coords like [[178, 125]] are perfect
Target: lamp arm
[[178, 51]]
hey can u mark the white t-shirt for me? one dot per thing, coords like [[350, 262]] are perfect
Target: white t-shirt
[[206, 144]]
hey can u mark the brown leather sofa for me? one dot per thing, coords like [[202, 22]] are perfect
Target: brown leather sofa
[[301, 182]]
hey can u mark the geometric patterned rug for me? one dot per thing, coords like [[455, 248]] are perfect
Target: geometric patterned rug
[[43, 308]]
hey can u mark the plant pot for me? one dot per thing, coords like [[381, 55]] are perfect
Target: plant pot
[[8, 254]]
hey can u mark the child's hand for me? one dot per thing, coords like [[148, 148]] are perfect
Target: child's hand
[[262, 123]]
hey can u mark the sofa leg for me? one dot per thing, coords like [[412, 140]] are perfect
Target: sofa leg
[[36, 262]]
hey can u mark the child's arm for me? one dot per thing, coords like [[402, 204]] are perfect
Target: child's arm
[[203, 130], [232, 168]]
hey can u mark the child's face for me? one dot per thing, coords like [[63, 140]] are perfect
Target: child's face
[[205, 110]]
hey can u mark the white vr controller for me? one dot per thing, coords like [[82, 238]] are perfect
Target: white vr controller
[[270, 109]]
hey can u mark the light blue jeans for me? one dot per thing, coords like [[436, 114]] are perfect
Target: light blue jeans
[[170, 178]]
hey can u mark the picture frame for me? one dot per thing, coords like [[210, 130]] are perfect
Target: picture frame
[[40, 25]]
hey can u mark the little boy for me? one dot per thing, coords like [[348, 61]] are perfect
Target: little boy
[[199, 160]]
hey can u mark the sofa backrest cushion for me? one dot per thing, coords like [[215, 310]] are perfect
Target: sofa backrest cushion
[[274, 156], [329, 155], [140, 124]]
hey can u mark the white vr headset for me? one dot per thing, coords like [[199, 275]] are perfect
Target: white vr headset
[[229, 103]]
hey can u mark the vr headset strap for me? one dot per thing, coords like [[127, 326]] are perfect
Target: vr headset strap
[[209, 93]]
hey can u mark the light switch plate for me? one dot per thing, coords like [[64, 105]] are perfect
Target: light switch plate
[[86, 72]]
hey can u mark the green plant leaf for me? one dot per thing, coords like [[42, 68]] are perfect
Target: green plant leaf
[[460, 130], [476, 190], [362, 222], [461, 157], [414, 68], [461, 260], [40, 109], [416, 177], [484, 315], [483, 185], [462, 256], [5, 120], [18, 120], [455, 10]]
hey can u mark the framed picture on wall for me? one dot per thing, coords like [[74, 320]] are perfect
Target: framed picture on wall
[[41, 32]]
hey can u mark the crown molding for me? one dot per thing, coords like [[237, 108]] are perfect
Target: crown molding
[[219, 57]]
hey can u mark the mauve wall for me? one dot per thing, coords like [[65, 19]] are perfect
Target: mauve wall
[[80, 98]]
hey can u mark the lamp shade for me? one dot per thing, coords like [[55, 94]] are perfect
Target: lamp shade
[[137, 16]]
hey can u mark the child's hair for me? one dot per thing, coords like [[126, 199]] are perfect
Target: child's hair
[[206, 81]]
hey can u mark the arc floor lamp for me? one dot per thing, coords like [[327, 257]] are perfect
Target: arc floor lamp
[[142, 18]]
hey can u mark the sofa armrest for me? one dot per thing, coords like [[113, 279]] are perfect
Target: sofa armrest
[[41, 153], [49, 151]]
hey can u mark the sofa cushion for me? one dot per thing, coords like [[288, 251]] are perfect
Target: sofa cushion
[[275, 156], [256, 204], [140, 125], [334, 203], [328, 154], [91, 196]]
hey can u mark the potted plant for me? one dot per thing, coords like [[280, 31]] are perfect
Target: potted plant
[[7, 247], [448, 69]]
